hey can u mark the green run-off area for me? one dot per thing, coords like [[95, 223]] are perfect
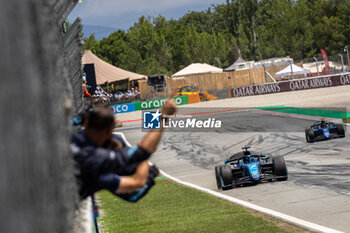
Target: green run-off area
[[330, 112], [170, 207]]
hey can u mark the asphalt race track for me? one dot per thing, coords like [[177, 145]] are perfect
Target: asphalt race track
[[318, 188]]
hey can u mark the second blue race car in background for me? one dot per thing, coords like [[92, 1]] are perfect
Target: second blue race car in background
[[322, 130]]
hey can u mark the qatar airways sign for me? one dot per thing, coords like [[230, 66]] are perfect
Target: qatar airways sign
[[292, 85]]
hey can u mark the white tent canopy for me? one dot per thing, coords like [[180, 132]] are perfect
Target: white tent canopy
[[197, 68], [107, 72], [292, 70], [236, 64]]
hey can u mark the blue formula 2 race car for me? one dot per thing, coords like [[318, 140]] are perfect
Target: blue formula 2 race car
[[249, 167], [322, 130]]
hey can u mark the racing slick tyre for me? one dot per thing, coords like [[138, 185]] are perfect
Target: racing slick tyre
[[310, 136], [202, 97], [218, 176], [226, 175], [340, 130], [279, 168]]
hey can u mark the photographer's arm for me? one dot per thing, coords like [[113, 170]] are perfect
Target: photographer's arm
[[148, 182], [130, 184], [152, 139]]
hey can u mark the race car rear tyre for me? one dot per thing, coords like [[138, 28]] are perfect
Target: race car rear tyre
[[279, 168], [218, 176], [340, 130], [202, 97], [226, 175], [310, 136]]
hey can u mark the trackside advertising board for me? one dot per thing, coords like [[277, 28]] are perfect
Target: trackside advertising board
[[145, 105], [292, 85], [158, 103], [122, 108]]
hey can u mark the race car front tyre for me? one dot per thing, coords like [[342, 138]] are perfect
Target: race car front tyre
[[218, 176], [307, 135], [340, 130], [279, 168], [226, 175], [310, 135]]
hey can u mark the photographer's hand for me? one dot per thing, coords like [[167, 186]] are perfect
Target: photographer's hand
[[151, 140]]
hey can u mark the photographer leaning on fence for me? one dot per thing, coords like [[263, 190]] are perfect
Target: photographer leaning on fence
[[103, 163]]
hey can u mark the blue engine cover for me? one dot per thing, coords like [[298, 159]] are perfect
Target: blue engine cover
[[325, 131], [252, 169]]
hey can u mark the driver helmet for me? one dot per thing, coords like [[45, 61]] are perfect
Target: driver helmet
[[246, 159]]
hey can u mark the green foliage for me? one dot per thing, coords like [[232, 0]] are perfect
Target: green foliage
[[346, 120], [251, 29]]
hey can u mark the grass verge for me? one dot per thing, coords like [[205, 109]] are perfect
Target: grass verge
[[171, 207], [346, 120]]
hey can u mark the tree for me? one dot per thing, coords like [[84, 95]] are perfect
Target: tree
[[91, 44], [252, 29]]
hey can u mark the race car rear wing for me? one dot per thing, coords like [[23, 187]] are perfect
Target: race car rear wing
[[237, 159]]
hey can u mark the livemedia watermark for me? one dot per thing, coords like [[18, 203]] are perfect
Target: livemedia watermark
[[228, 120], [154, 120]]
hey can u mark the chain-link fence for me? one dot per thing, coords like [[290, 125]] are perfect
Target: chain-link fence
[[337, 64]]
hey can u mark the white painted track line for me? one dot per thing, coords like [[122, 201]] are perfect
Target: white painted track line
[[296, 221]]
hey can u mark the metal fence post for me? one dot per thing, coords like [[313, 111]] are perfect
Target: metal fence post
[[342, 62]]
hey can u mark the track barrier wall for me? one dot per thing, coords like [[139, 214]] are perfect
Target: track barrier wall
[[257, 89], [146, 105], [292, 85], [193, 99]]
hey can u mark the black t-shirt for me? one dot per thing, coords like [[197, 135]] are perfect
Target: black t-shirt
[[93, 161]]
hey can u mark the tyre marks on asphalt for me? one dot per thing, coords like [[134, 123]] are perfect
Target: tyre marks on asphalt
[[320, 164], [193, 148]]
